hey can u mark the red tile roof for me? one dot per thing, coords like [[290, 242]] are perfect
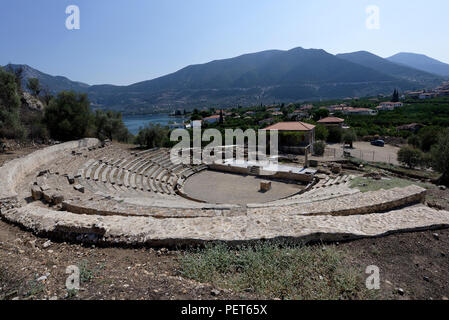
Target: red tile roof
[[331, 120], [291, 126], [212, 117]]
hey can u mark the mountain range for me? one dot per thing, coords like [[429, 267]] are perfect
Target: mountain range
[[421, 62], [264, 77]]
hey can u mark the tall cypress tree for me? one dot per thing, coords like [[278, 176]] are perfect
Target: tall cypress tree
[[395, 96]]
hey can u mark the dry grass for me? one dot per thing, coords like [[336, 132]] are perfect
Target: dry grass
[[275, 270]]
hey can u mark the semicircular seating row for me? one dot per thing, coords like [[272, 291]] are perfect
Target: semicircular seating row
[[133, 174]]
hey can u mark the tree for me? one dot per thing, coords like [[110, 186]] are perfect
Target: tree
[[47, 95], [153, 136], [109, 125], [321, 132], [34, 86], [428, 137], [349, 137], [68, 116], [320, 114], [335, 134], [410, 156], [395, 96], [414, 140], [440, 157], [18, 73], [10, 125], [318, 148]]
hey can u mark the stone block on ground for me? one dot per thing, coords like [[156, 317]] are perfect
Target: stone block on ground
[[79, 188], [313, 163], [265, 186], [57, 198], [336, 168], [71, 179], [48, 195], [36, 192], [43, 172]]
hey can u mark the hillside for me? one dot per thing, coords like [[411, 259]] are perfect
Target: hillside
[[421, 62], [264, 77], [54, 83], [385, 66]]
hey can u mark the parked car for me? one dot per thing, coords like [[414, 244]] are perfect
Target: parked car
[[378, 143]]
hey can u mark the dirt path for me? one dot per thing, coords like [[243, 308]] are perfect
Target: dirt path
[[108, 273]]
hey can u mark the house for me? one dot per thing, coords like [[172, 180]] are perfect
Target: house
[[443, 93], [212, 119], [427, 95], [384, 108], [298, 114], [336, 107], [306, 107], [332, 122], [307, 138], [194, 124], [266, 121], [277, 114], [412, 127], [359, 111], [393, 105], [414, 94]]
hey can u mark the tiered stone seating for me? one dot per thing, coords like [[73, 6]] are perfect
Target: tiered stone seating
[[149, 171], [130, 198]]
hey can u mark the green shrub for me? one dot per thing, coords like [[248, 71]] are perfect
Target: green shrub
[[410, 156], [153, 136], [429, 137], [335, 135], [321, 132], [414, 141], [349, 137], [440, 156], [10, 125], [68, 116], [318, 148], [109, 125]]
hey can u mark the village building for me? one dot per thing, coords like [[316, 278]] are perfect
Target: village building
[[359, 111], [297, 115], [391, 104], [266, 121], [306, 131], [194, 124], [212, 119], [427, 95], [412, 127], [332, 122]]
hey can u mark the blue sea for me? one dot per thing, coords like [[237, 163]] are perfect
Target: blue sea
[[134, 123]]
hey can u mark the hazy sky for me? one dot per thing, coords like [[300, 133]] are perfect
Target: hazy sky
[[125, 41]]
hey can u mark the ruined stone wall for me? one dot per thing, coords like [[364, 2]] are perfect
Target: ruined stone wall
[[278, 175], [14, 171]]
